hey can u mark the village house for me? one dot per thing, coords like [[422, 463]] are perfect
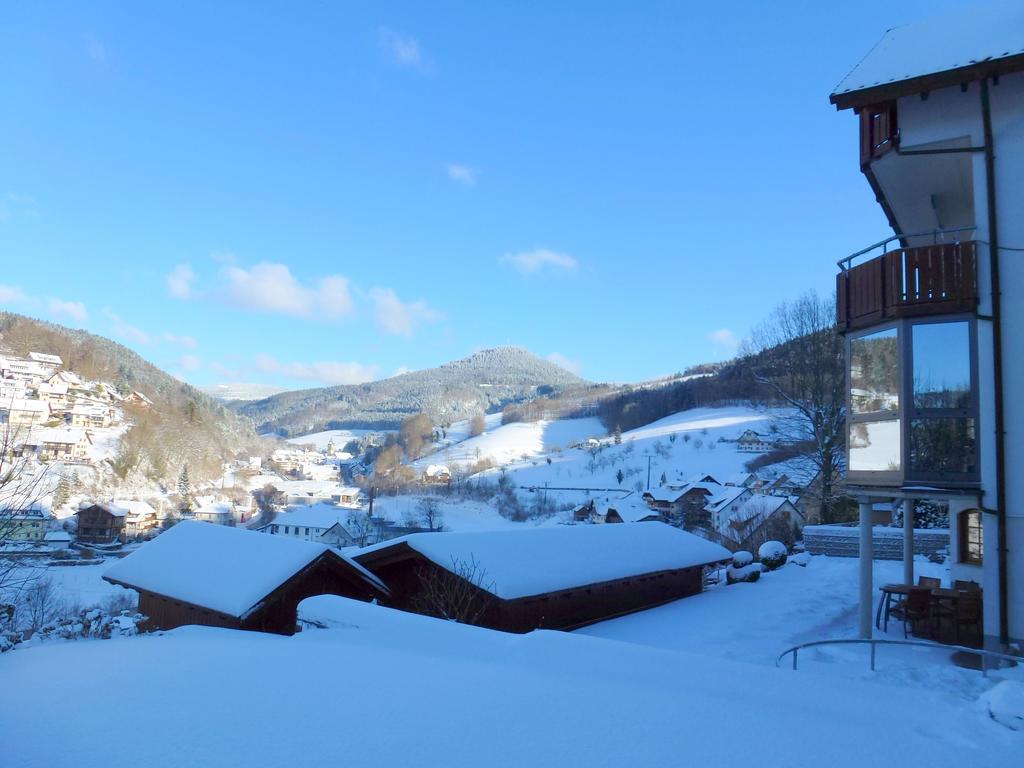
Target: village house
[[25, 413], [758, 519], [561, 577], [57, 443], [49, 362], [57, 539], [23, 525], [628, 508], [89, 416], [141, 521], [26, 371], [101, 523], [12, 389], [308, 523], [218, 513], [54, 394], [437, 474], [930, 316], [753, 442], [137, 398], [229, 577]]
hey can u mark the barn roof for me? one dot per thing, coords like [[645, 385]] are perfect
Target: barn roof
[[228, 570], [937, 52], [535, 561]]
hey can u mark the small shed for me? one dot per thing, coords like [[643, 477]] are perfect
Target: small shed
[[561, 577], [218, 576]]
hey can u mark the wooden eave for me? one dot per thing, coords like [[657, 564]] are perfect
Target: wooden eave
[[924, 83]]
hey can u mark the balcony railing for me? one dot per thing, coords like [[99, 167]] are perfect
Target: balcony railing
[[909, 282]]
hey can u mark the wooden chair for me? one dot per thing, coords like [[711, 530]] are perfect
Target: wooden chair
[[929, 581], [916, 607], [966, 586], [969, 613]]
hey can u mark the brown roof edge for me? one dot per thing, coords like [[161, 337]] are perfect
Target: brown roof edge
[[197, 606], [888, 91]]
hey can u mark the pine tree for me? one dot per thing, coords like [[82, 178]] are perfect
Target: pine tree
[[618, 435], [664, 479], [62, 492], [185, 490], [619, 476]]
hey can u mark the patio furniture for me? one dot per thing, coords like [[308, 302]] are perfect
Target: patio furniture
[[945, 605], [967, 586], [915, 608], [929, 581], [968, 611], [885, 602]]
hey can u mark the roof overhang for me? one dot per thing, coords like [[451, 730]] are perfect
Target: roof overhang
[[925, 83]]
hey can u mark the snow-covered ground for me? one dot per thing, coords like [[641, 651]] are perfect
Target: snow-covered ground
[[419, 691], [679, 447], [507, 443], [340, 437], [464, 516]]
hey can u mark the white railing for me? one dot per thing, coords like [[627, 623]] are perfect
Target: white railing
[[984, 654]]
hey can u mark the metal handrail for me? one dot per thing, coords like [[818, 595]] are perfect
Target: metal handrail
[[985, 654], [845, 263]]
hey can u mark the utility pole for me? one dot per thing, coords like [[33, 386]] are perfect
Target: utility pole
[[648, 472]]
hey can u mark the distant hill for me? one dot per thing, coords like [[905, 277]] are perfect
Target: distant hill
[[485, 381], [183, 426]]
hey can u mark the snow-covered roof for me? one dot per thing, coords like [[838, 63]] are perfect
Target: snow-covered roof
[[62, 435], [28, 406], [631, 509], [534, 561], [217, 508], [40, 357], [135, 507], [57, 536], [228, 570], [313, 516], [941, 44], [114, 509]]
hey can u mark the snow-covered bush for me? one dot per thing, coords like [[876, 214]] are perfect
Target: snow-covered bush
[[92, 623], [801, 559], [1006, 704], [772, 554], [749, 573], [742, 559]]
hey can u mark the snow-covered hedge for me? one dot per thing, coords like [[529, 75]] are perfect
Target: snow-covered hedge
[[749, 573], [801, 559], [742, 559], [91, 623], [772, 554]]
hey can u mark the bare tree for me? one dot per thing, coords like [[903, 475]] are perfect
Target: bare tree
[[23, 484], [40, 604], [460, 593], [430, 514], [797, 355], [477, 425]]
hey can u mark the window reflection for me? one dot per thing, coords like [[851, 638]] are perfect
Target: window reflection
[[942, 365], [942, 446], [875, 446], [874, 373]]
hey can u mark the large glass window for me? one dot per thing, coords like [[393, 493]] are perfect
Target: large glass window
[[913, 403]]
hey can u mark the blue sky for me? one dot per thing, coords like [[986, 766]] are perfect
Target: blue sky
[[308, 193]]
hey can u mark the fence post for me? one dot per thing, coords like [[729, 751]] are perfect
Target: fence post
[[794, 658], [873, 655]]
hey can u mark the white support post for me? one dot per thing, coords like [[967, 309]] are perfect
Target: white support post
[[908, 541], [867, 553]]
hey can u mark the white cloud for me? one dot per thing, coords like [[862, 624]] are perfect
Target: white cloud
[[269, 287], [397, 317], [95, 49], [324, 372], [11, 294], [402, 49], [529, 262], [179, 281], [464, 174], [127, 330], [573, 366], [189, 363], [726, 338], [73, 309], [181, 341]]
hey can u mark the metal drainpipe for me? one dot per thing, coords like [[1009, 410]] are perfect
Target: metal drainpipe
[[997, 363]]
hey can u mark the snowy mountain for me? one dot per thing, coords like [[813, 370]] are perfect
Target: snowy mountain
[[484, 381]]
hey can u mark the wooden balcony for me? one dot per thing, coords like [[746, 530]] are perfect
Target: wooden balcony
[[909, 282]]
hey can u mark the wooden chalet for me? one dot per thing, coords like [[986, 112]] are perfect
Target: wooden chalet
[[218, 576], [561, 577], [101, 523]]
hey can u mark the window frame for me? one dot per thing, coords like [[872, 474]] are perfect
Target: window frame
[[963, 525], [907, 411]]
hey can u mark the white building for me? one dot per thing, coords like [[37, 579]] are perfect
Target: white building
[[932, 317], [25, 413]]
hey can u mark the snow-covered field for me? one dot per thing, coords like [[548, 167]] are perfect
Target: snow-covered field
[[419, 691], [464, 516], [679, 447], [508, 443], [340, 437]]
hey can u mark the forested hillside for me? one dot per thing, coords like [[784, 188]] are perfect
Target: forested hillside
[[182, 427]]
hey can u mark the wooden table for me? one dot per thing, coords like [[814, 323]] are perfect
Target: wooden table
[[888, 590]]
